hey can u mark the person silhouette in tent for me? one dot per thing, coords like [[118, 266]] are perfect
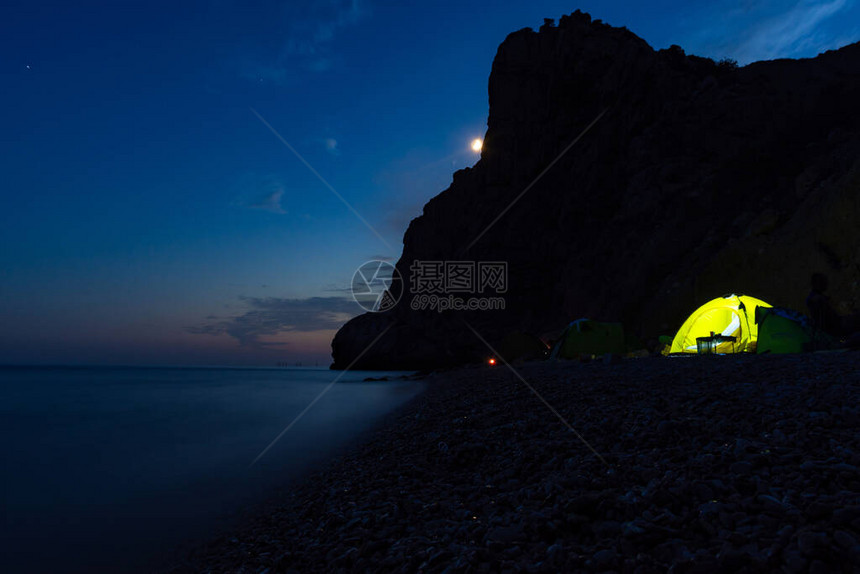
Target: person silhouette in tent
[[825, 318]]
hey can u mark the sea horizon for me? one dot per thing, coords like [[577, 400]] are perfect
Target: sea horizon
[[164, 366]]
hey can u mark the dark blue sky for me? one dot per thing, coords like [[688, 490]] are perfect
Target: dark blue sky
[[149, 217]]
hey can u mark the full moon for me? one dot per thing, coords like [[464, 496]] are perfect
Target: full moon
[[477, 144]]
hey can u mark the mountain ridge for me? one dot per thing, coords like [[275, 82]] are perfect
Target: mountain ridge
[[700, 178]]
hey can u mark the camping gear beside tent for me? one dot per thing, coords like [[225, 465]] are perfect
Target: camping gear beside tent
[[586, 337], [726, 317], [709, 345]]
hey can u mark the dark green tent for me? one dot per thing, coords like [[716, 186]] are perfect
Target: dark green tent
[[585, 337], [520, 345], [783, 330]]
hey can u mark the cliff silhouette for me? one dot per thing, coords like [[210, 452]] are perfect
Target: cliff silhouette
[[700, 179]]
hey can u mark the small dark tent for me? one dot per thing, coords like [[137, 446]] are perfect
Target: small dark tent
[[520, 345], [584, 337]]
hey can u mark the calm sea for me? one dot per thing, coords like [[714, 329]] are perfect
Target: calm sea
[[110, 469]]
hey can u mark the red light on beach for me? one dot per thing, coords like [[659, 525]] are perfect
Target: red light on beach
[[492, 361]]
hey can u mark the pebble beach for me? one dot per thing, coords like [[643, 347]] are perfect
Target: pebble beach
[[693, 464]]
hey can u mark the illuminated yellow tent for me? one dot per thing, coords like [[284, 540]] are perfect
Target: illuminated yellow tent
[[729, 316]]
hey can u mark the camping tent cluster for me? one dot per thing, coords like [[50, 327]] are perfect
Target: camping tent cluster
[[744, 324], [725, 325]]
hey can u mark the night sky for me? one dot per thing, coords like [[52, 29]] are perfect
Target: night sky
[[150, 217]]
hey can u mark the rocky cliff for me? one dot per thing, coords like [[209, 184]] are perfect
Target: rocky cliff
[[699, 179]]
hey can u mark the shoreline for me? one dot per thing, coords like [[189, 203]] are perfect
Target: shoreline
[[748, 463], [175, 558]]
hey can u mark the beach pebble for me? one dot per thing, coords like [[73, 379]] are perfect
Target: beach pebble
[[605, 559], [505, 534], [705, 477], [846, 516], [844, 539], [811, 543]]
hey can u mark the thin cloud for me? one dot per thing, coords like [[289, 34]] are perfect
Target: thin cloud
[[333, 288], [271, 202], [310, 29], [331, 146], [266, 73], [269, 316], [339, 13], [264, 192], [790, 34]]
